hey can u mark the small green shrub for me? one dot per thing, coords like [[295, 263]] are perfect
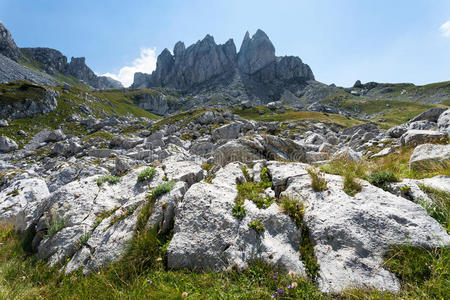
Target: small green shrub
[[107, 178], [293, 208], [246, 174], [239, 211], [257, 226], [206, 166], [381, 179], [253, 192], [146, 174], [162, 189], [266, 181], [318, 182], [83, 240], [56, 224], [351, 185]]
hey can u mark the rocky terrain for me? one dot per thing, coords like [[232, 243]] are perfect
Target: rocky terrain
[[81, 198], [273, 171]]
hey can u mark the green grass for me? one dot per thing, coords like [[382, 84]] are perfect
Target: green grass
[[257, 226], [239, 211], [141, 274], [351, 185], [382, 179], [396, 163], [162, 189], [55, 224], [440, 208], [253, 191], [290, 115], [146, 174], [318, 183], [295, 209], [107, 178], [68, 104]]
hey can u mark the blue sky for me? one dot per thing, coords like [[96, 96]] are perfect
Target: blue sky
[[342, 40]]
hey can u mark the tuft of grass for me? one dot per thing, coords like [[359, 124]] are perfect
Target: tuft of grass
[[107, 178], [125, 214], [351, 185], [162, 189], [206, 166], [253, 191], [382, 179], [266, 180], [103, 215], [424, 272], [239, 211], [146, 174], [295, 209], [55, 224], [83, 240], [440, 208], [257, 226], [318, 183]]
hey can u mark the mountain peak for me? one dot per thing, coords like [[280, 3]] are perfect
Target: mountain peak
[[256, 52]]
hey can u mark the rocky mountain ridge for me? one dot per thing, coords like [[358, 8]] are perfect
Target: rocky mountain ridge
[[254, 71], [49, 61]]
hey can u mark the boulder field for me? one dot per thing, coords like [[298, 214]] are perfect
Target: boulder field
[[80, 200]]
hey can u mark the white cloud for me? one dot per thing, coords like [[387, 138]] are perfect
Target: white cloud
[[445, 29], [145, 64]]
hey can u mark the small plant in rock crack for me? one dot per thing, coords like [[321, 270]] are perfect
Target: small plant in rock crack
[[351, 185], [257, 226], [162, 189], [382, 179], [83, 240], [318, 182], [239, 211], [56, 224], [107, 178], [146, 174], [125, 213]]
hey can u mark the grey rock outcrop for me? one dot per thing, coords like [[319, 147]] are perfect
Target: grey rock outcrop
[[42, 104], [417, 137], [206, 65], [444, 122], [7, 45], [7, 144], [208, 236], [350, 240], [429, 156], [255, 53]]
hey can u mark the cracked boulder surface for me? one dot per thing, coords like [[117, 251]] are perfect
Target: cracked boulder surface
[[351, 234]]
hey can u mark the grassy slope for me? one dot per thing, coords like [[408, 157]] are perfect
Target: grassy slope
[[68, 104], [290, 115]]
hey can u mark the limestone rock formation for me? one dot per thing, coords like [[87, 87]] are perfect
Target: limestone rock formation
[[206, 65], [8, 47]]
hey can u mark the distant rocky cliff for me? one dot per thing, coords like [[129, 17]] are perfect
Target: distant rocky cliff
[[206, 65], [51, 62]]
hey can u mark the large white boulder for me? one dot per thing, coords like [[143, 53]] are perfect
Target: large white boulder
[[430, 156], [208, 236], [351, 234]]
